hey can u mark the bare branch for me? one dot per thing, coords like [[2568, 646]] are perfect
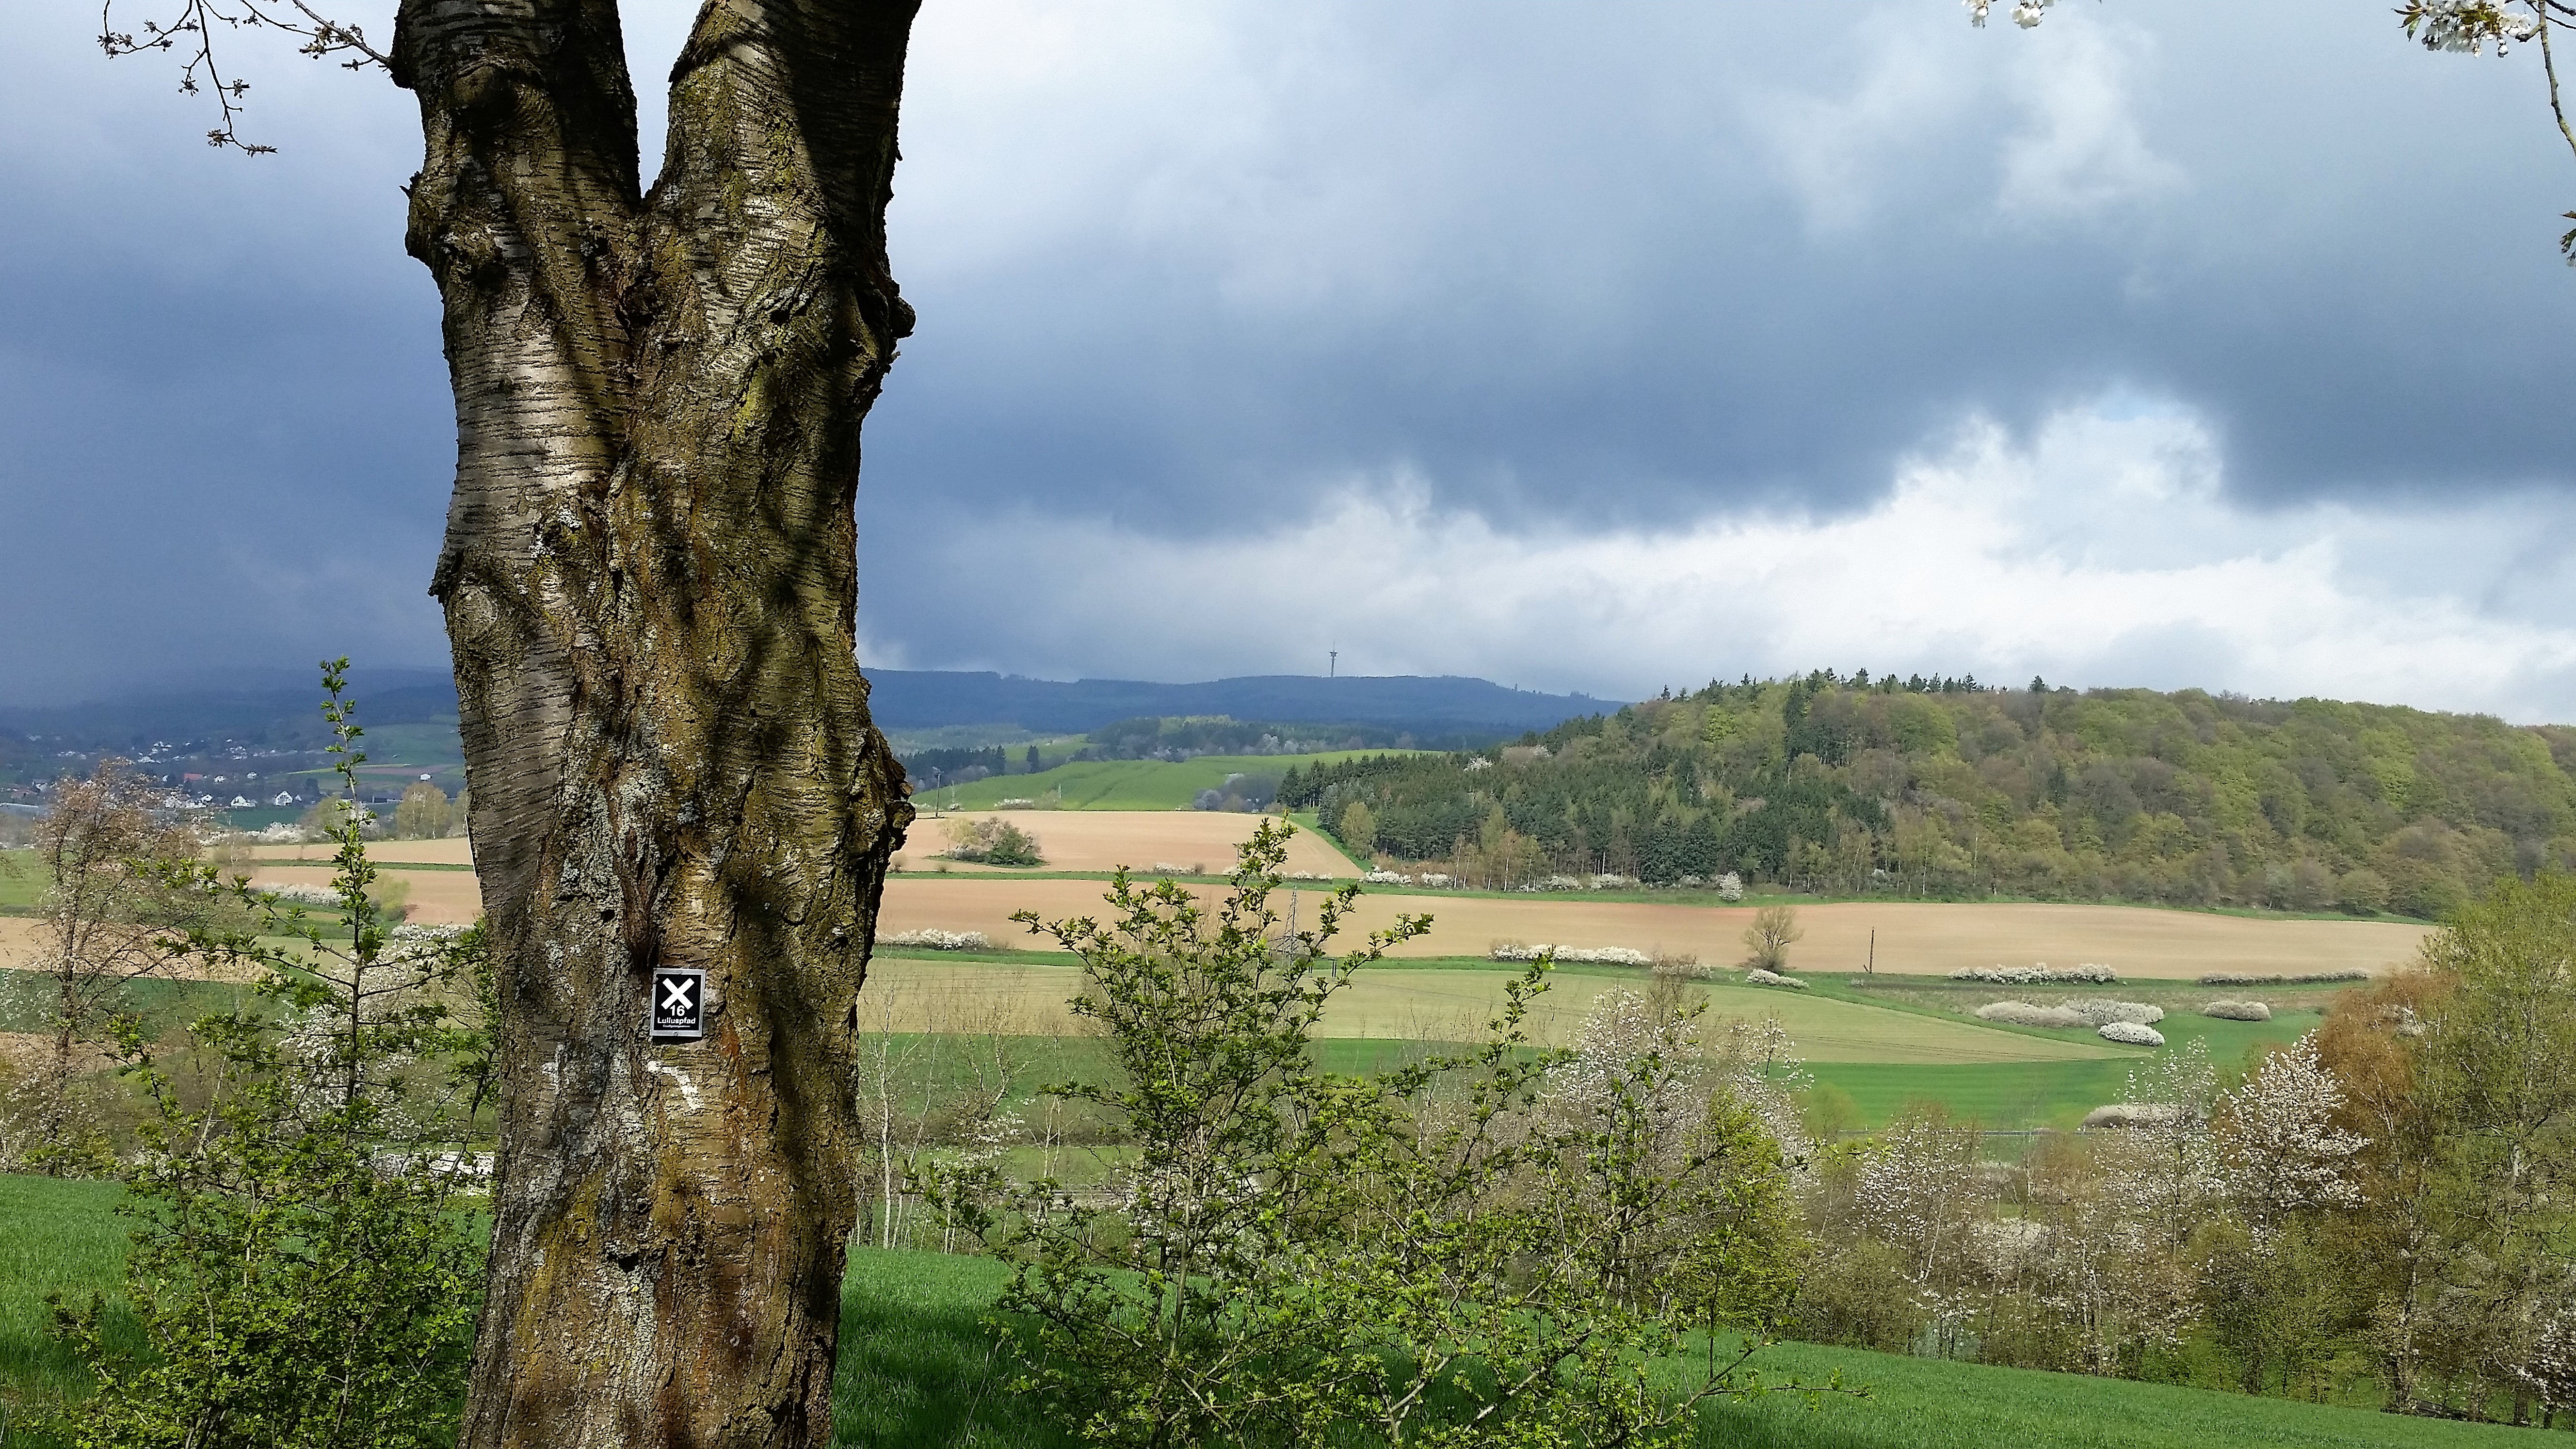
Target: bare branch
[[189, 34]]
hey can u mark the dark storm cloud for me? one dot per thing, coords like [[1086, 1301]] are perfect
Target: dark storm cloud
[[1189, 273], [1634, 291]]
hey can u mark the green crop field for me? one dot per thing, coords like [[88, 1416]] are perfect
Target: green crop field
[[161, 1004], [54, 1237], [22, 882], [919, 1371], [1885, 1050], [1126, 784]]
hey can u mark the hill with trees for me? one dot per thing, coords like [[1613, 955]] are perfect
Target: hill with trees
[[1944, 788]]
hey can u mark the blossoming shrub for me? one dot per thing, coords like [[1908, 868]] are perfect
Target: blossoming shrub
[[2238, 1011], [2099, 1012], [2023, 1013], [2041, 974], [1774, 978], [2130, 1033], [1585, 955], [992, 842], [930, 938]]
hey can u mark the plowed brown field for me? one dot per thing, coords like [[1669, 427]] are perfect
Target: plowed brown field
[[1142, 839], [438, 897], [1913, 938]]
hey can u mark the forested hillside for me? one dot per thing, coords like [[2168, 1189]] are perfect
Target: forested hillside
[[1945, 788]]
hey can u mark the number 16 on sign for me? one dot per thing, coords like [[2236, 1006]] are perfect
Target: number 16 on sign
[[679, 1010]]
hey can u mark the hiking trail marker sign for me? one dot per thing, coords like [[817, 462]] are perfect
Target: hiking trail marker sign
[[679, 1009]]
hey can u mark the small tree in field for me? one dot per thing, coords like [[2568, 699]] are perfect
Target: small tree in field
[[106, 914], [992, 842], [423, 813], [1358, 828], [1767, 940], [298, 1267]]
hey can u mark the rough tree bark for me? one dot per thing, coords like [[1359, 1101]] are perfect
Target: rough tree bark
[[650, 584]]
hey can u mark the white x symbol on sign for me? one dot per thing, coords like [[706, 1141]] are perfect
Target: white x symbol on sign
[[675, 993]]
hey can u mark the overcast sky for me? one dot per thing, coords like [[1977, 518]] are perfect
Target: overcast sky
[[1600, 347]]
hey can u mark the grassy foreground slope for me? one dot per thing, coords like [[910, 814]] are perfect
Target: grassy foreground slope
[[918, 1371]]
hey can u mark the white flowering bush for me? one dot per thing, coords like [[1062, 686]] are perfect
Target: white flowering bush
[[303, 895], [2311, 978], [2131, 1033], [1553, 883], [1774, 978], [2098, 1012], [1386, 877], [2238, 1011], [1612, 881], [2023, 1013], [930, 938], [1435, 878], [1730, 887], [2040, 974], [2278, 1148], [1586, 955], [2132, 1115]]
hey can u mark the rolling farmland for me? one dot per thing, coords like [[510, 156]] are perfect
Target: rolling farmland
[[1915, 938], [1930, 939], [1904, 1035], [1123, 784], [1435, 1004]]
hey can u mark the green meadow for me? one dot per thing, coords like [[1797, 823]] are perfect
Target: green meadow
[[22, 882], [918, 1369], [1125, 784]]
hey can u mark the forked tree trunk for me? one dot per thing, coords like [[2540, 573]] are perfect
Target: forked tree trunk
[[650, 584]]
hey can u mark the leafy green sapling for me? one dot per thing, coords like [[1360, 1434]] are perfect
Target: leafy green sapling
[[1507, 1245], [300, 1267]]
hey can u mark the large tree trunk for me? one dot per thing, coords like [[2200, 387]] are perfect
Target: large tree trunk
[[650, 585]]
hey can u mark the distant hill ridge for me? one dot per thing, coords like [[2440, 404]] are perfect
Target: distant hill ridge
[[907, 699], [1944, 788], [283, 712]]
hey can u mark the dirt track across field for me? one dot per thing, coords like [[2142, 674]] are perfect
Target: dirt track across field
[[1201, 841], [451, 851], [1912, 938]]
